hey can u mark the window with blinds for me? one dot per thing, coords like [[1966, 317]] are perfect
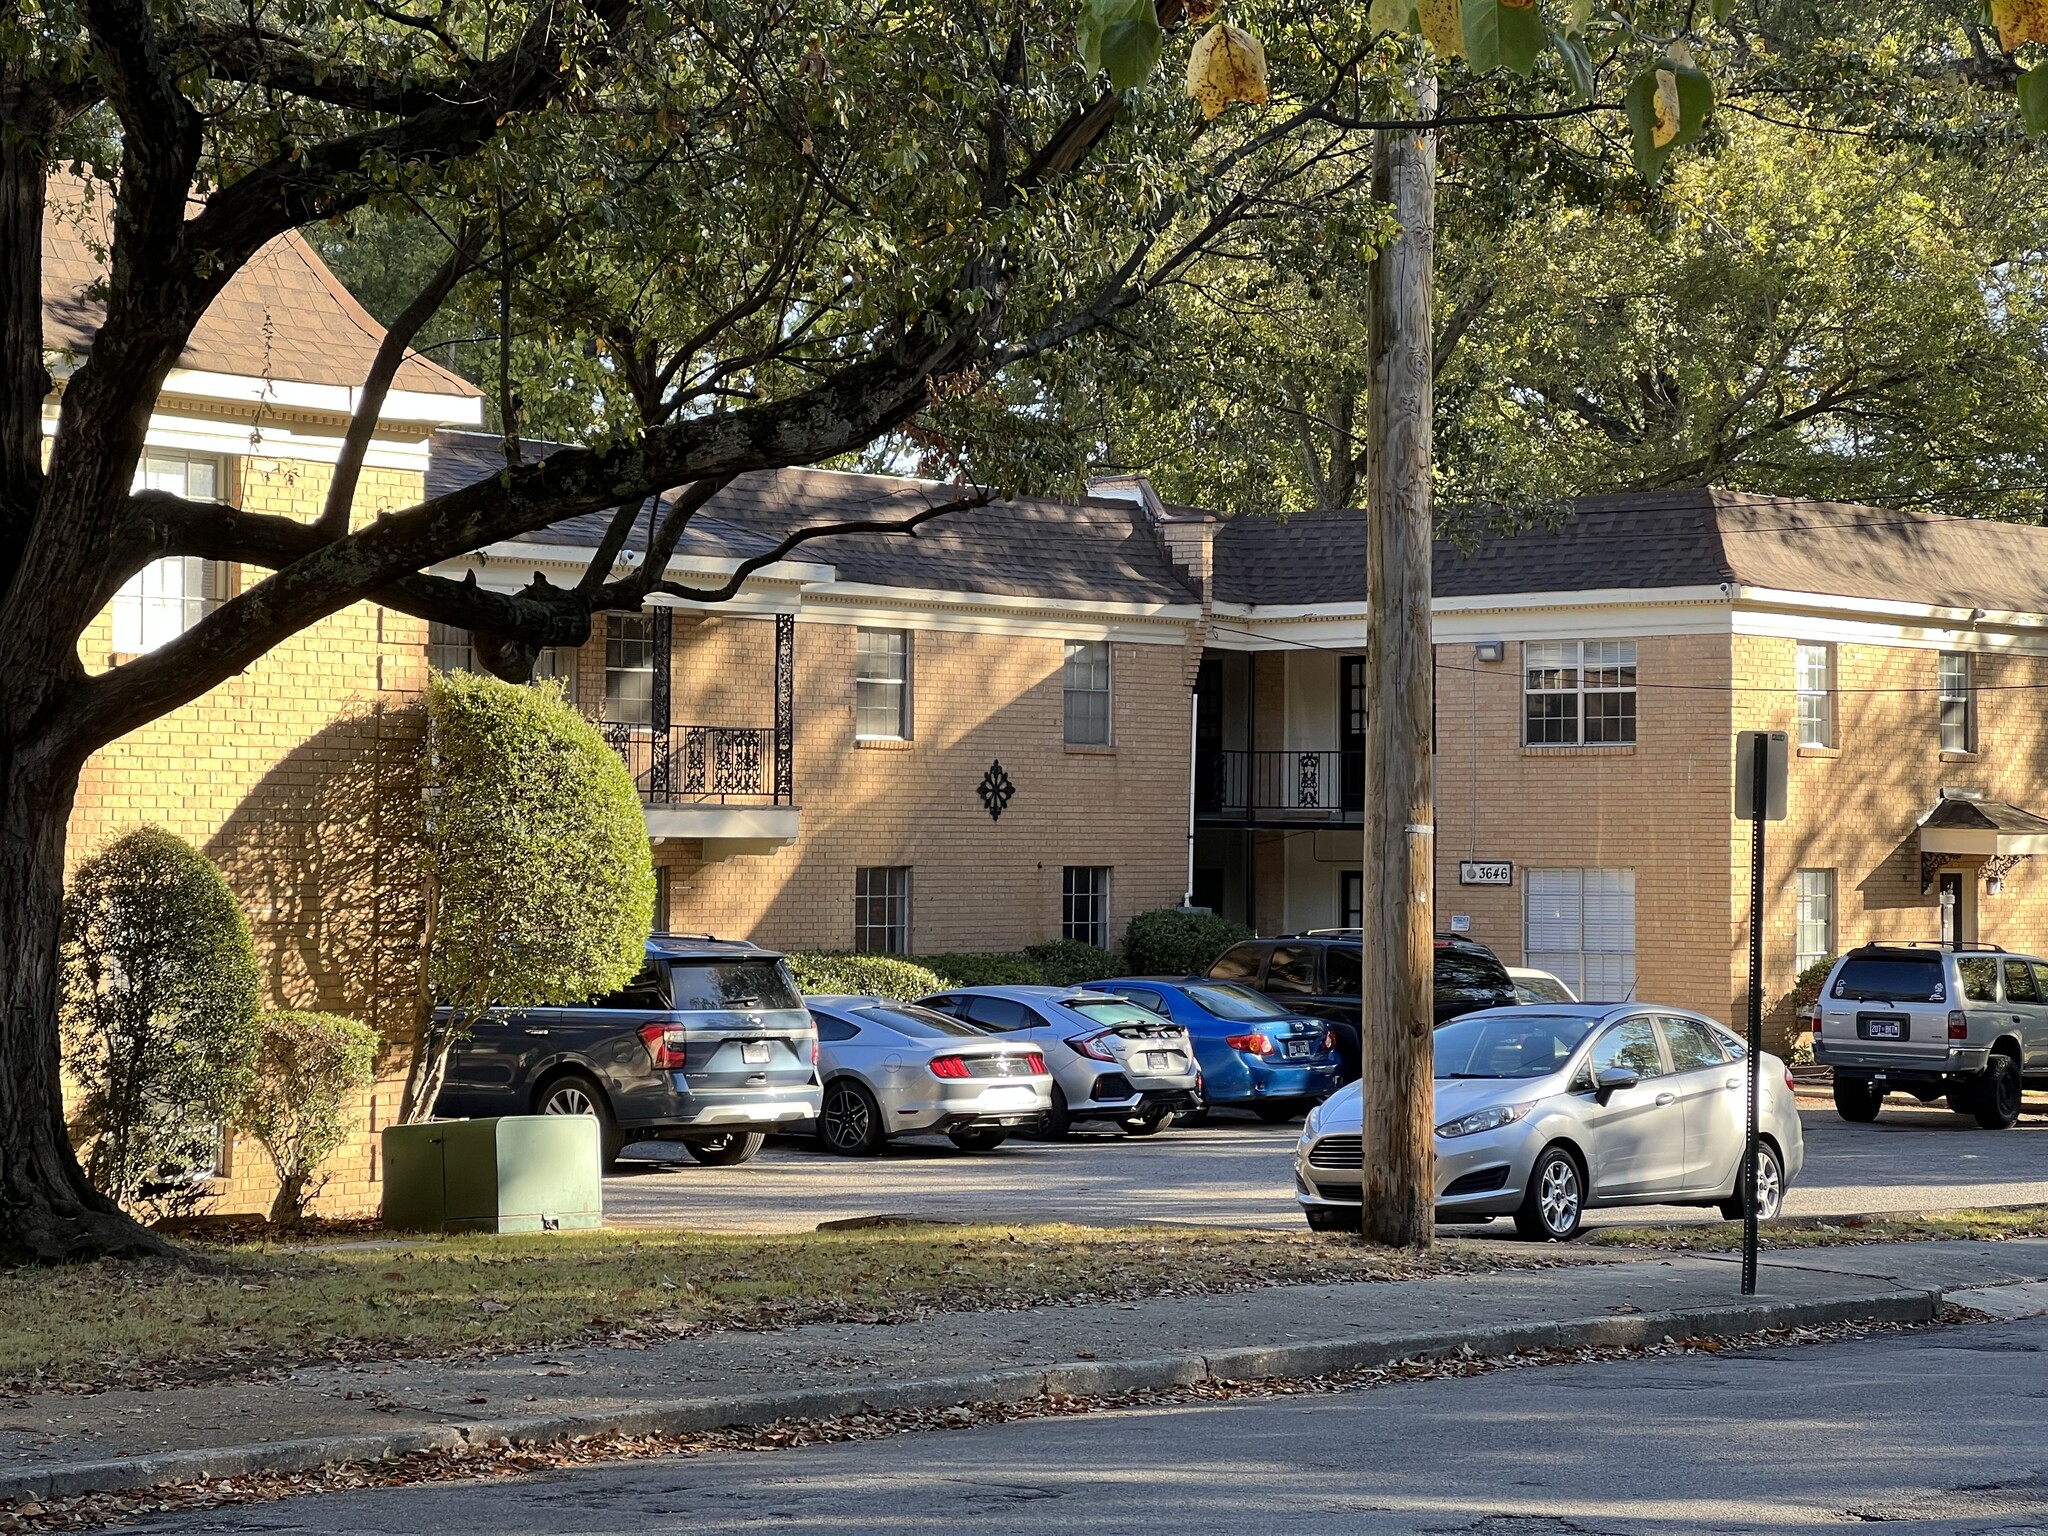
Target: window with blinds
[[1580, 925]]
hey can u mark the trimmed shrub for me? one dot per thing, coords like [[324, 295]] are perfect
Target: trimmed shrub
[[1069, 962], [537, 857], [823, 973], [970, 968], [1171, 942], [309, 1069], [159, 1016]]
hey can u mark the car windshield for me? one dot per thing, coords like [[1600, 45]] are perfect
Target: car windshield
[[714, 984], [1228, 1000], [1522, 1044], [918, 1023], [1548, 988], [1111, 1011], [1890, 979]]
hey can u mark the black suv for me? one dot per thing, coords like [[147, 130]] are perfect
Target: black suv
[[1318, 973], [709, 1045]]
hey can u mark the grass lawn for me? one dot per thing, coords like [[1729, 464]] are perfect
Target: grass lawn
[[1811, 1232], [268, 1305]]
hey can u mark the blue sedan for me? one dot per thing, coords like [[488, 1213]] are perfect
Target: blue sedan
[[1254, 1054]]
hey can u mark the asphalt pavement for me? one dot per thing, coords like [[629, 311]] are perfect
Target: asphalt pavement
[[1236, 1172], [1939, 1431]]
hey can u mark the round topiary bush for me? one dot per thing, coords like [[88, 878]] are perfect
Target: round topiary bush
[[308, 1073], [1175, 942], [821, 974]]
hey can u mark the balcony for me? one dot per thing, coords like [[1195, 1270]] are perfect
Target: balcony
[[1290, 788]]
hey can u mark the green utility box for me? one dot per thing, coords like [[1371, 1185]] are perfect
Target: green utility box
[[518, 1173]]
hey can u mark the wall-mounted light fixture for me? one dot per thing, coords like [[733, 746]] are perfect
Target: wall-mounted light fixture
[[1489, 650], [1994, 885]]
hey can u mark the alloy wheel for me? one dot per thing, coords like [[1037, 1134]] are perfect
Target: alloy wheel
[[568, 1100], [1558, 1195], [846, 1119], [1770, 1187]]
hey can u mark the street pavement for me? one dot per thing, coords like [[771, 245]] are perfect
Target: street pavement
[[1236, 1172], [1942, 1431]]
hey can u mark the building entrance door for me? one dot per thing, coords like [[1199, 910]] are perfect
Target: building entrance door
[[1955, 918], [1351, 716]]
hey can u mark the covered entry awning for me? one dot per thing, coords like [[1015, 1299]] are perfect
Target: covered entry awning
[[1982, 829]]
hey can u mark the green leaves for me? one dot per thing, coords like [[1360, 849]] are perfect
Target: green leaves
[[1122, 37], [1578, 63], [2033, 95], [1668, 107], [1503, 34]]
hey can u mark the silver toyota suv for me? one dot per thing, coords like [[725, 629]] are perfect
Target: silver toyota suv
[[1969, 1021]]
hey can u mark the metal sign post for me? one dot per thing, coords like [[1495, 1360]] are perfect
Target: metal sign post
[[1759, 797]]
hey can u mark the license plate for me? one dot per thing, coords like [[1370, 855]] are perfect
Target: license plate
[[1883, 1029], [1159, 1061], [997, 1098], [1297, 1049], [754, 1053]]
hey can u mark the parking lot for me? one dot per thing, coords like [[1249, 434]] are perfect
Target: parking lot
[[1236, 1172]]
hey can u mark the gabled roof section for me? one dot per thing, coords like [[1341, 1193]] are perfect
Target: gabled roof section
[[284, 316]]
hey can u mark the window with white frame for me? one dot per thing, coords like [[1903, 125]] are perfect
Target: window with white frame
[[1958, 703], [629, 668], [881, 684], [167, 597], [1814, 671], [1579, 692], [1084, 904], [881, 909], [1085, 681], [1580, 925], [449, 648], [1813, 927], [559, 662]]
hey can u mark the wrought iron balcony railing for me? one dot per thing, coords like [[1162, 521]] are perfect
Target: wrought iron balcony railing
[[688, 764], [1295, 785]]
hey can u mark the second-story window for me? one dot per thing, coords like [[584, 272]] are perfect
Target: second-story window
[[1814, 666], [167, 597], [629, 668], [1579, 692], [1085, 681], [1958, 703], [881, 686]]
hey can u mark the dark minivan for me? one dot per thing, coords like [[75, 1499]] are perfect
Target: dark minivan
[[709, 1045], [1319, 973]]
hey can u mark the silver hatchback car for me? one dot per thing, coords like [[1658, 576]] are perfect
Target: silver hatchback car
[[1546, 1111]]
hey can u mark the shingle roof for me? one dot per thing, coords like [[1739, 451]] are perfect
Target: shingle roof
[[284, 316], [1983, 815], [1680, 538]]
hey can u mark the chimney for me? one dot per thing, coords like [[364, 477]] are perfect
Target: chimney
[[1188, 537]]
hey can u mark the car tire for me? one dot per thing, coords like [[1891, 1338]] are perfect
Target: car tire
[[1335, 1218], [576, 1093], [1347, 1053], [727, 1151], [1279, 1114], [1856, 1101], [1555, 1205], [1148, 1125], [979, 1138], [1055, 1123], [1770, 1187], [1997, 1099], [849, 1120]]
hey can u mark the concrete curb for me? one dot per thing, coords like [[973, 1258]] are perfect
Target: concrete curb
[[1080, 1378]]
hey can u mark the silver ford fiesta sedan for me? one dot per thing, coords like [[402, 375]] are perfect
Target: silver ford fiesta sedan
[[1546, 1111]]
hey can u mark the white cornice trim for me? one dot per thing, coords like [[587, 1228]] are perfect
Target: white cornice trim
[[415, 407], [995, 614]]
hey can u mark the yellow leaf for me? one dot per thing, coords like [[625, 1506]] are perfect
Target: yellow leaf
[[2020, 21], [1443, 23], [1226, 65], [1199, 11], [1668, 113]]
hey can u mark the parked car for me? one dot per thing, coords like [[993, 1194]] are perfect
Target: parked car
[[1317, 973], [895, 1069], [1254, 1054], [1543, 1113], [1110, 1059], [1534, 986], [1970, 1022], [709, 1045]]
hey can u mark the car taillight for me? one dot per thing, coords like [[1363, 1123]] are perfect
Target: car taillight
[[949, 1066], [1329, 1039], [814, 1053], [1258, 1045], [1790, 1086], [1092, 1046], [1958, 1024], [1816, 1026], [666, 1045], [1036, 1063]]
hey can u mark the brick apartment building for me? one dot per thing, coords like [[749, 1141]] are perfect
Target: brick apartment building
[[982, 736]]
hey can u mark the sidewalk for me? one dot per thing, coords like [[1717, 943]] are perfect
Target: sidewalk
[[64, 1444]]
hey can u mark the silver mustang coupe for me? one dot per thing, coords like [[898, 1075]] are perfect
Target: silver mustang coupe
[[1546, 1111], [895, 1069]]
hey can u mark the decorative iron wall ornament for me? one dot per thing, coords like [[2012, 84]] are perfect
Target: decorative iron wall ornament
[[995, 790], [785, 708]]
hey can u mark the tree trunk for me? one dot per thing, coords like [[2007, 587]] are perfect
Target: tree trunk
[[1400, 825], [48, 1212]]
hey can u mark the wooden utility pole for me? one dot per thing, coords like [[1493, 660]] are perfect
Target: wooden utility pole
[[1400, 825]]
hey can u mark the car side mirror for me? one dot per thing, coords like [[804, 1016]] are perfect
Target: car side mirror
[[1612, 1080]]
